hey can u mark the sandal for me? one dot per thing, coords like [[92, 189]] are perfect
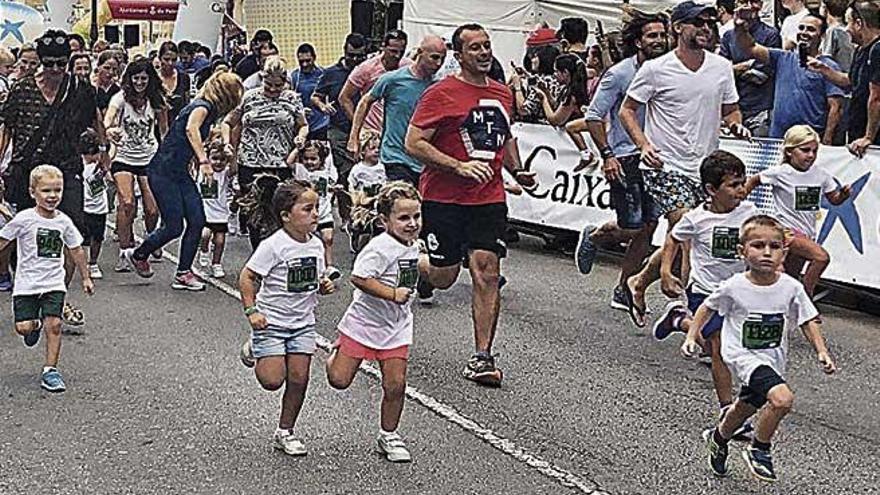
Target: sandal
[[636, 314], [72, 316]]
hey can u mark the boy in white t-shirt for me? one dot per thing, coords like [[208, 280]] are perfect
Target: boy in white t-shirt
[[313, 157], [759, 307], [378, 324], [215, 199], [42, 234], [797, 188], [712, 231], [95, 201], [288, 267], [365, 180]]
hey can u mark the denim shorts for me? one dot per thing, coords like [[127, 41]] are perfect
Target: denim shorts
[[632, 204], [695, 300], [277, 341], [672, 190]]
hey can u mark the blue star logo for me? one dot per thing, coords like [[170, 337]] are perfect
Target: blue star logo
[[13, 28], [847, 214]]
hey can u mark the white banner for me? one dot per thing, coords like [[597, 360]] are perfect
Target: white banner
[[569, 200]]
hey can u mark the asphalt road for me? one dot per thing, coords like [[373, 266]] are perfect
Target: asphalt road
[[157, 401]]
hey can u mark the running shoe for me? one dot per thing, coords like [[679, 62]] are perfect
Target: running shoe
[[141, 267], [618, 299], [95, 272], [393, 448], [332, 273], [52, 381], [217, 271], [670, 319], [204, 259], [760, 463], [6, 282], [717, 454], [32, 338], [425, 292], [283, 440], [122, 265], [246, 354], [481, 369], [72, 316], [187, 281], [585, 253]]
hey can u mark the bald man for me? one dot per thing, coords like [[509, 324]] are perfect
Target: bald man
[[400, 90]]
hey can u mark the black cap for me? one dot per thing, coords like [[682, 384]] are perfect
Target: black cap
[[261, 35], [688, 10]]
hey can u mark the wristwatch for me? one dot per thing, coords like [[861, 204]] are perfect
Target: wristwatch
[[250, 310]]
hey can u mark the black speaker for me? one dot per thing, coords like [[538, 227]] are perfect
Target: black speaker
[[111, 33], [362, 17], [132, 35], [393, 14]]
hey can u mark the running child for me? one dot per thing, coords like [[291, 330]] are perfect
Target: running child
[[378, 324], [759, 308], [712, 232], [365, 179], [215, 199], [95, 203], [313, 156], [288, 268], [42, 234], [797, 187]]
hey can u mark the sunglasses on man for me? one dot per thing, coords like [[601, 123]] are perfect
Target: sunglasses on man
[[700, 22]]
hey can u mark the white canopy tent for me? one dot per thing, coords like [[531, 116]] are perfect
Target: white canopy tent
[[509, 21]]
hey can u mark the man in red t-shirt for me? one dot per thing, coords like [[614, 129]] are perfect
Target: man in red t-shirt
[[460, 131]]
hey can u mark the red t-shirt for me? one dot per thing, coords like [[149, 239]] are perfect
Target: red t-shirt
[[471, 123]]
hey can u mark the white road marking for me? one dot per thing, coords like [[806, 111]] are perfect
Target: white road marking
[[449, 413]]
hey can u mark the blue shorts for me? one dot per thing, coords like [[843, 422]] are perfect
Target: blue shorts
[[277, 341], [695, 300], [631, 202]]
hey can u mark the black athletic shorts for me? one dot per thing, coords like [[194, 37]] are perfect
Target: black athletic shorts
[[761, 381], [95, 226], [451, 231], [117, 167], [217, 227]]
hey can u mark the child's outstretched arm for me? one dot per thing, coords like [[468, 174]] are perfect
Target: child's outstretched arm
[[376, 288], [690, 348], [840, 195], [79, 259], [247, 286], [813, 333], [752, 182], [669, 283]]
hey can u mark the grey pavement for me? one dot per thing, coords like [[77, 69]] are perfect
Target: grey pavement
[[157, 401]]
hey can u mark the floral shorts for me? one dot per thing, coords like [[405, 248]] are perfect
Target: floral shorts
[[672, 191]]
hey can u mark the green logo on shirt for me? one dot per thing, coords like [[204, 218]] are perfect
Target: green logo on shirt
[[96, 185], [321, 187], [407, 273], [209, 191], [49, 243], [302, 275], [806, 198], [372, 190], [763, 331], [724, 242]]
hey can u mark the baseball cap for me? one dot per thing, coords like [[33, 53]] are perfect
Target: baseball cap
[[688, 10], [541, 36]]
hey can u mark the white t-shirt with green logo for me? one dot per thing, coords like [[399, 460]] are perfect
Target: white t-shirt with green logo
[[291, 271], [322, 181], [757, 321], [797, 195], [215, 198], [94, 190], [714, 238], [379, 323], [367, 178], [41, 243]]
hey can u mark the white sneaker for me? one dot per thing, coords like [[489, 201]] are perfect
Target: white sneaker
[[246, 354], [204, 259], [217, 271], [332, 273], [95, 272], [283, 440], [122, 265], [393, 448]]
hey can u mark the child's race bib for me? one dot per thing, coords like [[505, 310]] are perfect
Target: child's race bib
[[302, 275], [763, 331], [724, 242], [49, 243], [96, 185], [806, 198], [209, 191], [372, 190], [321, 187], [407, 273]]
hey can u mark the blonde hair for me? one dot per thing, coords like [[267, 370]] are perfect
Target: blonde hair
[[223, 90], [391, 192], [799, 135], [42, 172], [275, 66], [6, 56], [760, 221], [368, 136]]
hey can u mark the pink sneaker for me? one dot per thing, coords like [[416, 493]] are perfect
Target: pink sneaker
[[187, 281], [141, 267]]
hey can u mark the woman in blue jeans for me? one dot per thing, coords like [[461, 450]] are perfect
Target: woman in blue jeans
[[177, 194]]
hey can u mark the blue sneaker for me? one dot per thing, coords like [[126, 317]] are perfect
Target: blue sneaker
[[717, 454], [760, 463], [585, 253], [52, 381], [670, 320], [32, 338], [6, 282]]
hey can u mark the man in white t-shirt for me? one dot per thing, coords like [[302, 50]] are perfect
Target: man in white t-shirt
[[688, 93], [798, 10]]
